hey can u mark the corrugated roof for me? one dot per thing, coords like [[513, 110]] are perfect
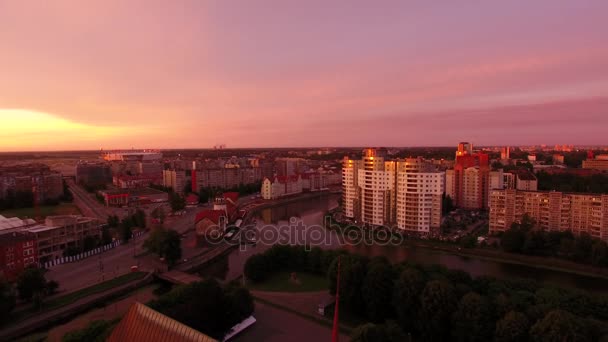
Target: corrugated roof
[[142, 324]]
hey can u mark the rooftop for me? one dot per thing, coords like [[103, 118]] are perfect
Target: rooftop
[[144, 324]]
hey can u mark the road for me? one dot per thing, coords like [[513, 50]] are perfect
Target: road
[[117, 261], [88, 205]]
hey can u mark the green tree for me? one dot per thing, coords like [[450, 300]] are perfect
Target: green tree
[[513, 327], [31, 283], [559, 326], [472, 321], [159, 214], [513, 240], [154, 242], [438, 302], [406, 295], [177, 201], [113, 221], [257, 267], [171, 247], [106, 236], [204, 306], [599, 253], [352, 274], [139, 219], [126, 229], [369, 332], [7, 300], [377, 291]]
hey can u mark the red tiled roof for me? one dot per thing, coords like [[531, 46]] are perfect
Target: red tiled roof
[[210, 214], [143, 324], [231, 197]]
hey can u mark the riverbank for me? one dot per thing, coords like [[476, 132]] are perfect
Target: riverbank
[[546, 263]]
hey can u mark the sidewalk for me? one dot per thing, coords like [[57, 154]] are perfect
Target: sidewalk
[[49, 317]]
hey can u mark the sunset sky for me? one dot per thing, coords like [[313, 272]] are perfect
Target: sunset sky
[[193, 74]]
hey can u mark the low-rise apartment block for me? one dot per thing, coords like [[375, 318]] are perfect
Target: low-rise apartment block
[[552, 211]]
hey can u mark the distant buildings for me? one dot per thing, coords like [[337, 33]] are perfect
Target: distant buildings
[[132, 155], [226, 178], [133, 197], [288, 166], [17, 251], [212, 223], [93, 175], [505, 153], [137, 181], [61, 232], [32, 178], [175, 179], [406, 193], [552, 211], [468, 182], [281, 186], [46, 242], [600, 162]]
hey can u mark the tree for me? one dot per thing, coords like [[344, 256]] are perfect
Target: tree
[[51, 287], [377, 291], [472, 320], [113, 221], [599, 253], [177, 201], [513, 327], [369, 332], [96, 331], [126, 231], [257, 267], [513, 240], [89, 243], [154, 242], [559, 326], [438, 301], [171, 247], [7, 300], [352, 273], [106, 237], [407, 290], [447, 204], [205, 306], [159, 214], [30, 283], [139, 219]]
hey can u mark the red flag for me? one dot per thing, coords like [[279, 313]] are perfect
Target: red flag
[[335, 332]]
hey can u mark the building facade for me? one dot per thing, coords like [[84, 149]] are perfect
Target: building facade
[[468, 182], [552, 211], [93, 175], [404, 193], [600, 162], [175, 179], [18, 250], [281, 186], [61, 232], [34, 178]]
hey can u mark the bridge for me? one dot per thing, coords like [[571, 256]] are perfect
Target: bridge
[[178, 277], [199, 261]]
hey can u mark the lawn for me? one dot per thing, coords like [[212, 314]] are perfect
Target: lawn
[[72, 297], [43, 211], [280, 282]]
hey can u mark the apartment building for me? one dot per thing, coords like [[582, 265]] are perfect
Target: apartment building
[[553, 211], [175, 179], [17, 251], [281, 186], [404, 193], [419, 193], [469, 181], [61, 232], [37, 178]]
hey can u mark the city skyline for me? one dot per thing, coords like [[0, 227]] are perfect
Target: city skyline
[[291, 74]]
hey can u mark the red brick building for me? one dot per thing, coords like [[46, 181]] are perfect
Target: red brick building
[[17, 251]]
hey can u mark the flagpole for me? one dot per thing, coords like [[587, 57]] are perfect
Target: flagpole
[[335, 330]]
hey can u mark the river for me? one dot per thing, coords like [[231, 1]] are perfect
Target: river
[[280, 222]]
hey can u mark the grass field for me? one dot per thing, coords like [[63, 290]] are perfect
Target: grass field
[[43, 211], [280, 282], [72, 297]]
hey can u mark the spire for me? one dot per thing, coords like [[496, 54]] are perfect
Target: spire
[[335, 332]]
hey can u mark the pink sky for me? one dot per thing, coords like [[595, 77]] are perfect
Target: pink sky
[[188, 74]]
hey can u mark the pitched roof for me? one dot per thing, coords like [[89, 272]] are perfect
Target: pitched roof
[[231, 197], [142, 324], [212, 215]]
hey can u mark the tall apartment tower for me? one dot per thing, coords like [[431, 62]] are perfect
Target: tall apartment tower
[[406, 193], [468, 183]]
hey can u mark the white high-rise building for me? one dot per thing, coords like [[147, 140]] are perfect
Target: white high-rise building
[[405, 193]]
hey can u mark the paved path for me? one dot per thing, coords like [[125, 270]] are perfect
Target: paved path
[[276, 325], [303, 302], [38, 321]]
